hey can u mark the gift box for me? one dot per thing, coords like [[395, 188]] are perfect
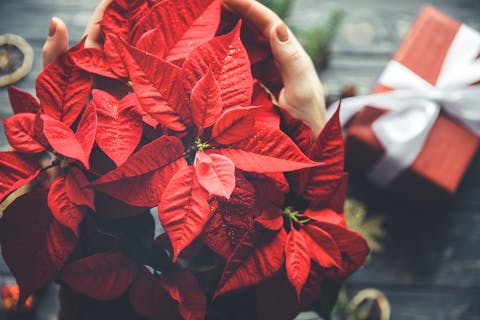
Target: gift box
[[417, 133]]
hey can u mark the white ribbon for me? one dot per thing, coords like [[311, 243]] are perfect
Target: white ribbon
[[415, 104]]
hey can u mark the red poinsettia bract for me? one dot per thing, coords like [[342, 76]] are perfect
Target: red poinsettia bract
[[169, 115]]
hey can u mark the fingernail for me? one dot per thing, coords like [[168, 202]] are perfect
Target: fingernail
[[282, 32], [52, 28]]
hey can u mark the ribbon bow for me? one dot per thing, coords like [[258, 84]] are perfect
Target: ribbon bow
[[415, 104]]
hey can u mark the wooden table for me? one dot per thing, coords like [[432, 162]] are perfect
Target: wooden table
[[430, 268]]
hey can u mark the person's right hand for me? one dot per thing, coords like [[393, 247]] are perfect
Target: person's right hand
[[302, 95]]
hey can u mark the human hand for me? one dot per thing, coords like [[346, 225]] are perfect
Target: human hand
[[302, 95], [57, 41]]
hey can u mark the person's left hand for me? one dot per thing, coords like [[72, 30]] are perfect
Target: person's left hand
[[57, 41]]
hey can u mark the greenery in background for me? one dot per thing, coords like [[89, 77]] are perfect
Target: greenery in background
[[317, 41], [371, 228]]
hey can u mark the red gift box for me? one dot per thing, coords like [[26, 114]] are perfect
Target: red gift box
[[437, 168]]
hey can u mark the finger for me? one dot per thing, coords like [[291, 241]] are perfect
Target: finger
[[293, 62], [255, 13], [57, 41], [93, 31], [303, 92]]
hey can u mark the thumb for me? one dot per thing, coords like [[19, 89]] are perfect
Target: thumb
[[57, 41], [292, 60]]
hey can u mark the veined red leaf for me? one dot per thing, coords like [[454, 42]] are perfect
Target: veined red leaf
[[16, 169], [328, 149], [267, 149], [141, 180], [86, 131], [153, 42], [62, 207], [120, 16], [352, 245], [271, 219], [297, 261], [34, 245], [257, 257], [234, 125], [323, 248], [231, 219], [182, 26], [184, 288], [215, 173], [22, 101], [268, 192], [103, 276], [93, 60], [120, 125], [226, 57], [118, 19], [298, 131], [63, 140], [183, 209], [63, 89], [205, 102], [150, 298], [185, 25], [327, 191], [20, 133], [77, 187], [268, 114], [155, 84]]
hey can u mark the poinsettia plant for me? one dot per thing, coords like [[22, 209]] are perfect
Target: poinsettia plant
[[172, 114]]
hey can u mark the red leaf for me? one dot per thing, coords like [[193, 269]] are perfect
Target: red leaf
[[62, 207], [353, 247], [118, 19], [323, 248], [20, 133], [271, 219], [257, 257], [267, 149], [22, 101], [63, 140], [226, 57], [185, 289], [16, 169], [215, 173], [268, 114], [155, 84], [231, 219], [150, 298], [234, 125], [182, 26], [183, 209], [34, 245], [78, 189], [297, 259], [328, 149], [142, 179], [120, 125], [63, 89], [333, 193], [86, 131], [103, 276], [205, 102], [93, 60]]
